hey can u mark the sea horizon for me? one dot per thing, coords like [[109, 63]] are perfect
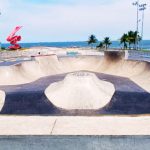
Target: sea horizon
[[145, 44]]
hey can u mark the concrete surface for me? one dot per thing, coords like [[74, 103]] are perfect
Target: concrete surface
[[30, 99], [26, 125], [102, 125], [24, 85], [80, 90], [137, 71], [2, 99], [75, 142]]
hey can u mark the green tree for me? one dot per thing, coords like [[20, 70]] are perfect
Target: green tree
[[133, 38], [107, 42], [137, 38], [124, 40], [100, 45], [92, 40]]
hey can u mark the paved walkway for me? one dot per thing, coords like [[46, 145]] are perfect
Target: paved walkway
[[102, 125]]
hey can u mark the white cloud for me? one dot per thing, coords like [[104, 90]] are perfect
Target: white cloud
[[61, 22]]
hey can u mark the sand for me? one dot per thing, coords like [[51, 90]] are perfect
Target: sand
[[80, 90]]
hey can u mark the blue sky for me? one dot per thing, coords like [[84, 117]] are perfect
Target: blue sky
[[69, 20]]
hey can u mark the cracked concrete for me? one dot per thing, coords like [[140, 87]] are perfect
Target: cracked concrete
[[102, 125]]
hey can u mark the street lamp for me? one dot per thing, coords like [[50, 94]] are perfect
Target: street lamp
[[0, 41], [137, 21], [142, 8]]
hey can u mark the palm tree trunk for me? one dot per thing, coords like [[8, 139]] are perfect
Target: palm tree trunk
[[129, 46], [124, 45]]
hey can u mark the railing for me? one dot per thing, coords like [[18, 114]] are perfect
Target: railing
[[144, 54], [139, 55]]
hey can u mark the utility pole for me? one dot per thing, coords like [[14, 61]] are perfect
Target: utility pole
[[137, 23], [0, 41], [142, 8]]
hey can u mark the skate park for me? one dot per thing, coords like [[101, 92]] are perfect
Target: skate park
[[87, 97], [74, 75], [51, 85]]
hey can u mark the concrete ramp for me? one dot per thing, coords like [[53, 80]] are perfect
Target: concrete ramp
[[30, 99], [2, 99], [112, 63], [83, 95], [24, 86], [80, 90]]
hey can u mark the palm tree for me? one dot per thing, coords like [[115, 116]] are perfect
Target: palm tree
[[133, 37], [100, 46], [107, 42], [124, 40], [92, 39], [137, 38]]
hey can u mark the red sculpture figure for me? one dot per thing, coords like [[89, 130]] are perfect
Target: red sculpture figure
[[13, 39]]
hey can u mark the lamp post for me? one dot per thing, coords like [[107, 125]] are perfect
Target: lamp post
[[137, 23], [142, 8], [0, 41]]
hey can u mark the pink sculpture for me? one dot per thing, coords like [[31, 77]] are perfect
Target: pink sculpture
[[13, 39]]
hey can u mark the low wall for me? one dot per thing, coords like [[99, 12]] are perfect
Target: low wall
[[75, 142], [47, 51], [114, 55], [138, 54], [25, 53]]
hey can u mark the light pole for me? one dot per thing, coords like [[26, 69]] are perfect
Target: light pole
[[0, 41], [142, 8], [137, 23]]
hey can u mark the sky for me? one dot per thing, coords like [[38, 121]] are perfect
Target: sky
[[70, 20]]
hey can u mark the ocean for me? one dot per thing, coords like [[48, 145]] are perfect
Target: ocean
[[115, 44]]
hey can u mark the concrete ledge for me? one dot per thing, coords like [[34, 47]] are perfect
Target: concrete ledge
[[110, 125], [74, 142], [26, 125]]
